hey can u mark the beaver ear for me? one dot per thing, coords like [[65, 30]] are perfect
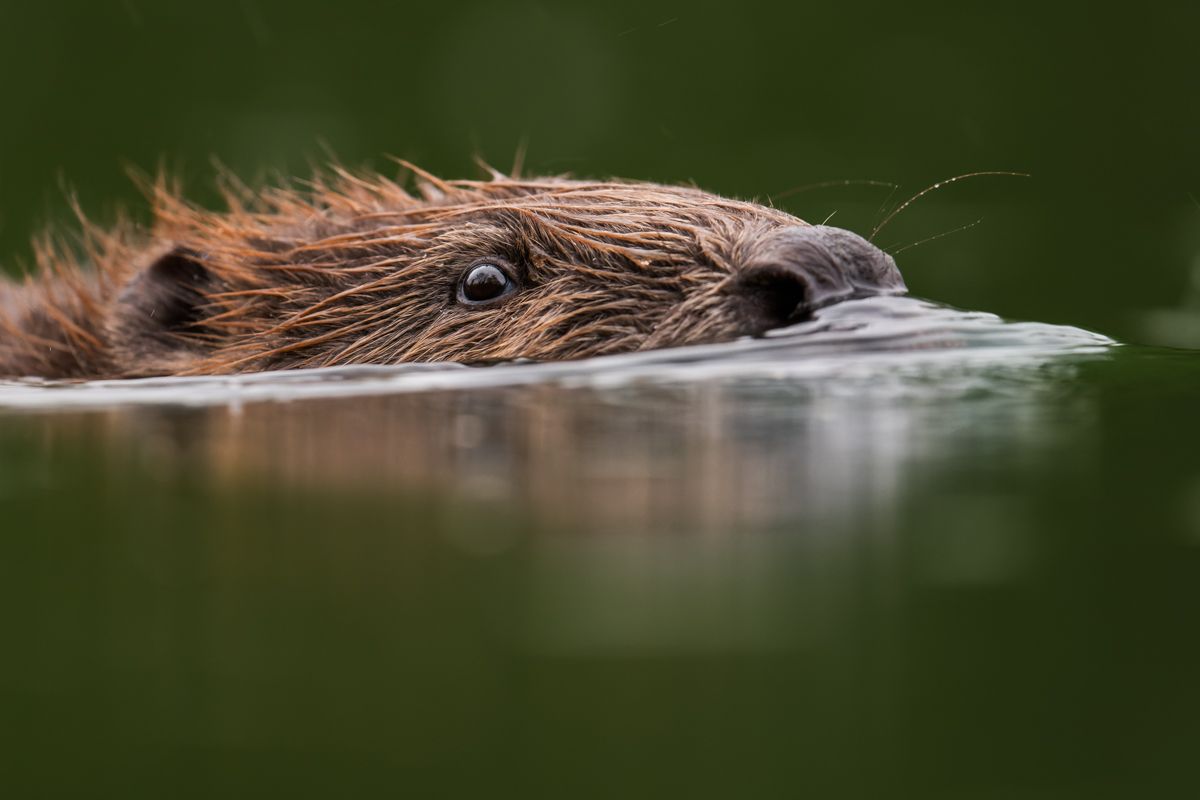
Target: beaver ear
[[157, 324]]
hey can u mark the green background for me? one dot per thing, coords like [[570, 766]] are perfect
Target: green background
[[751, 99]]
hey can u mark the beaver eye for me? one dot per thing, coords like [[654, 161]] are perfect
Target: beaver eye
[[483, 283]]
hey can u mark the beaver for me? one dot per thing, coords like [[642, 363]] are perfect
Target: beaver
[[354, 268]]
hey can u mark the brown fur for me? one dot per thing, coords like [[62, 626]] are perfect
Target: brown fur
[[356, 269]]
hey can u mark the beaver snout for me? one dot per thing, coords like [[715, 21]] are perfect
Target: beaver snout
[[795, 270]]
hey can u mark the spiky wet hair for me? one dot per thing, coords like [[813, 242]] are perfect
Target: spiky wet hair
[[351, 269]]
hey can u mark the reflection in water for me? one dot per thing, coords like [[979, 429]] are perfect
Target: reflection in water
[[864, 570], [689, 493], [818, 424], [817, 427], [712, 458]]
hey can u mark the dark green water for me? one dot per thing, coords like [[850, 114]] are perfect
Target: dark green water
[[841, 574], [963, 572]]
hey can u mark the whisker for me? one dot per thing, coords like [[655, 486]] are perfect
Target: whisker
[[829, 185], [898, 250], [831, 213], [880, 211], [934, 187]]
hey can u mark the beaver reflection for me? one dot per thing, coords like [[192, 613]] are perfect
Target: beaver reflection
[[681, 459], [705, 457], [361, 271]]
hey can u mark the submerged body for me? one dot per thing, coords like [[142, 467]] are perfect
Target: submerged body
[[358, 270]]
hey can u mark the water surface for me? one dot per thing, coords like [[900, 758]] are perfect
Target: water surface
[[900, 550]]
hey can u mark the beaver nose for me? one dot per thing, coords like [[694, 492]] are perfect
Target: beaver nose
[[795, 270]]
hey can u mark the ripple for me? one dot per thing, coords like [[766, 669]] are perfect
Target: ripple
[[886, 345]]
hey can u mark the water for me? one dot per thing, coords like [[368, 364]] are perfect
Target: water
[[930, 337], [901, 550]]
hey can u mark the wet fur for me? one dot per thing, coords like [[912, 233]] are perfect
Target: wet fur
[[357, 269]]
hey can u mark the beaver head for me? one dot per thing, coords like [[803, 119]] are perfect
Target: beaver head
[[359, 270]]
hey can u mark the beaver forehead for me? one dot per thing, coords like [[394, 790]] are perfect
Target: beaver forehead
[[634, 203], [355, 222], [576, 221]]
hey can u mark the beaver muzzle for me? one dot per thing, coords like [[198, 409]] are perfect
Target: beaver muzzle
[[795, 270]]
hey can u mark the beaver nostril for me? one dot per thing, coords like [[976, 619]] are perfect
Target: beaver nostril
[[772, 295], [792, 271]]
